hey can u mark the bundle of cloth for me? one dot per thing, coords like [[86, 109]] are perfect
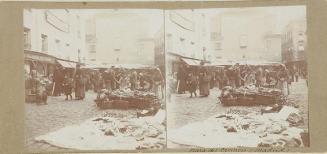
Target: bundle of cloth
[[250, 95], [125, 98]]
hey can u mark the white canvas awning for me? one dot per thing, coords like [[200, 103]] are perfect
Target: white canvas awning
[[191, 62], [66, 64]]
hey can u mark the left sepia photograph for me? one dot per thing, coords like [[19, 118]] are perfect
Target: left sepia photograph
[[94, 79]]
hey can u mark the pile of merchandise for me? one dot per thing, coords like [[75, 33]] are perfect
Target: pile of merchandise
[[125, 99], [111, 133], [251, 95], [251, 129], [37, 89]]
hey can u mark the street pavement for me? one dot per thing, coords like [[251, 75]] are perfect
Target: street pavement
[[58, 113]]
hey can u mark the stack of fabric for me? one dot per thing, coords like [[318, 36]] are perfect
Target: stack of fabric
[[249, 96], [125, 98]]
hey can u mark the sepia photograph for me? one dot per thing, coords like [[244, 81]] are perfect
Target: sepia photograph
[[94, 79], [237, 77]]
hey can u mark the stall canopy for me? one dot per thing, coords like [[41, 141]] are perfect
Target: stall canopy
[[191, 62], [132, 66], [220, 63], [259, 63], [66, 64], [126, 66]]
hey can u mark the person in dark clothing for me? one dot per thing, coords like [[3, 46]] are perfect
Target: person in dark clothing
[[79, 84], [146, 79], [259, 77], [109, 79], [282, 80], [133, 80], [118, 78], [204, 81], [192, 83], [96, 81], [237, 75], [230, 73], [181, 79], [58, 79], [68, 87]]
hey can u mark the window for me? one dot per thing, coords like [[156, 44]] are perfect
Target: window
[[58, 45], [243, 41], [117, 50], [44, 42], [93, 59], [27, 39], [214, 36], [92, 48], [67, 48], [79, 55], [218, 46], [268, 44], [140, 49], [169, 44], [79, 34], [117, 59]]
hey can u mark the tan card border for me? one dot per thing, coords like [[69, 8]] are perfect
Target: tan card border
[[12, 59]]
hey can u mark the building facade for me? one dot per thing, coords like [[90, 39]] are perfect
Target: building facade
[[186, 37], [111, 40], [273, 47], [159, 49], [294, 44], [52, 34], [241, 34]]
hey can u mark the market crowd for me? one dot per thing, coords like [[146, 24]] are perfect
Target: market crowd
[[203, 78], [66, 81]]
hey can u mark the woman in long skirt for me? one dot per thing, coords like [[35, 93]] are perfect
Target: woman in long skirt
[[79, 84], [204, 81], [282, 77]]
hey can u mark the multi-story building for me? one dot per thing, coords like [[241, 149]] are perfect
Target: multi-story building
[[273, 47], [52, 36], [186, 38], [294, 44], [113, 40], [90, 40], [159, 49], [240, 34], [215, 36]]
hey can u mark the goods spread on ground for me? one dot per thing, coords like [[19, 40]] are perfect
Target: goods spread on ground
[[251, 95], [244, 129], [109, 133], [37, 89], [126, 99]]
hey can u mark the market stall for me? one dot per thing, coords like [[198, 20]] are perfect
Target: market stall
[[148, 96], [251, 95]]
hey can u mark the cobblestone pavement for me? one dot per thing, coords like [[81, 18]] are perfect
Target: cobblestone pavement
[[183, 110], [58, 113]]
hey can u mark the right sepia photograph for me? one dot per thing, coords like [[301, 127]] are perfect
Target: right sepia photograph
[[237, 77]]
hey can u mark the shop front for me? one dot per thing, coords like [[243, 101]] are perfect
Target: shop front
[[42, 63]]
